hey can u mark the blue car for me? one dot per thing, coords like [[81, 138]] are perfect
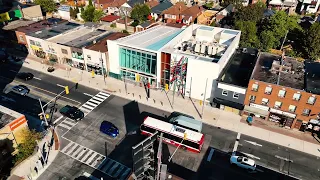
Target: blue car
[[109, 129]]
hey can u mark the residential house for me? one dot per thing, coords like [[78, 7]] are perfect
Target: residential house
[[152, 3], [207, 17], [96, 55], [110, 7], [283, 4], [156, 11], [109, 19], [173, 14], [33, 13], [145, 25], [190, 15], [309, 6], [64, 12]]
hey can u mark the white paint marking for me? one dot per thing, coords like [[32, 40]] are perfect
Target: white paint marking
[[104, 94], [251, 155], [37, 78], [285, 159], [57, 119], [91, 104], [65, 126], [88, 107], [235, 147], [253, 143], [238, 136], [65, 148], [72, 123], [88, 94], [61, 85], [101, 96], [89, 176]]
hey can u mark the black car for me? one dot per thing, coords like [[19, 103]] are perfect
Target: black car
[[72, 112], [25, 76]]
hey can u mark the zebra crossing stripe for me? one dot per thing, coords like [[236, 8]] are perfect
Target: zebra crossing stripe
[[98, 99], [87, 155], [104, 94], [77, 151], [65, 148], [89, 161], [91, 104], [82, 152], [68, 121], [100, 96], [93, 101], [65, 126], [125, 174], [88, 107], [72, 149], [118, 172]]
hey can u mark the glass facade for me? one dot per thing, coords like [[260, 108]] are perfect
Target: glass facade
[[138, 61]]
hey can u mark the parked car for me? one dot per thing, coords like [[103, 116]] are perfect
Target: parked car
[[109, 129], [21, 89], [25, 76], [72, 112], [243, 162]]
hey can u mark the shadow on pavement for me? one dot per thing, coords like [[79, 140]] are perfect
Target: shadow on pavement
[[6, 163]]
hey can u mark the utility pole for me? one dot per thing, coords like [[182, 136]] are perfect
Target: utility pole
[[44, 115], [102, 68], [184, 138]]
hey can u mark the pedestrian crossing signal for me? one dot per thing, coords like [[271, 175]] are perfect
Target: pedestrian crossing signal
[[67, 89]]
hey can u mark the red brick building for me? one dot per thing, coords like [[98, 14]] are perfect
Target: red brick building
[[282, 91]]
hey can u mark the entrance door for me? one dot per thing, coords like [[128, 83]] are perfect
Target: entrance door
[[298, 124], [289, 122]]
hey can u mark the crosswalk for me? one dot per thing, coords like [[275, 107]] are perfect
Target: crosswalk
[[96, 160], [86, 108]]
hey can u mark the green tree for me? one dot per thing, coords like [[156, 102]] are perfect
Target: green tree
[[312, 42], [233, 2], [140, 12], [90, 3], [72, 12], [248, 33], [27, 147], [48, 6], [253, 12], [97, 15], [267, 40], [88, 14]]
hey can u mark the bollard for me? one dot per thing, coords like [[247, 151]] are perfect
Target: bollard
[[132, 94], [161, 103], [154, 100], [140, 96]]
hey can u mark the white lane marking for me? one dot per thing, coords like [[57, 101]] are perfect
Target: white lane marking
[[57, 119], [104, 94], [71, 123], [101, 96], [286, 159], [210, 154], [89, 176], [236, 144], [88, 94], [65, 126], [61, 85], [253, 143], [37, 78], [13, 71], [251, 155]]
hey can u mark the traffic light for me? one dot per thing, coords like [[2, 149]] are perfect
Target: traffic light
[[47, 116], [67, 89], [77, 84]]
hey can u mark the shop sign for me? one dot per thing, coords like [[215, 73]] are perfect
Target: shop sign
[[289, 115], [282, 113], [258, 106], [18, 122]]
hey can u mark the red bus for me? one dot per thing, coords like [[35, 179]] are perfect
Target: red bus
[[173, 134]]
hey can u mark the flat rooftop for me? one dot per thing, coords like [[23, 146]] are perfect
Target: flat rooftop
[[17, 23], [270, 69], [152, 39], [312, 77], [239, 69], [54, 30], [40, 25], [80, 37], [7, 116], [102, 44], [205, 43]]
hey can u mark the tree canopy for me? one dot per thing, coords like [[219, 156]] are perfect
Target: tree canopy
[[312, 42], [90, 14], [48, 6], [140, 12], [248, 30], [253, 12]]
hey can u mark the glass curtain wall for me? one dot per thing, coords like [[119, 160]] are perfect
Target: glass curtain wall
[[139, 61]]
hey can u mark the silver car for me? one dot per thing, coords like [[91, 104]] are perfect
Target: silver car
[[21, 89]]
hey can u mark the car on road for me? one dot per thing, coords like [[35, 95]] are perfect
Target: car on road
[[243, 162], [109, 129], [21, 89], [25, 76], [72, 112]]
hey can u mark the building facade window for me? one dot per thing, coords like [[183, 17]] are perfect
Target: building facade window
[[32, 42], [138, 61], [277, 104], [311, 100], [268, 90], [21, 38], [224, 92], [265, 101], [236, 95], [255, 87], [296, 96], [282, 93], [77, 55], [306, 112], [88, 57], [252, 98], [64, 51], [292, 108]]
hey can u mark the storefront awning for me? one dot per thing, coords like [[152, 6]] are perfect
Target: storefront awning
[[256, 110], [228, 103]]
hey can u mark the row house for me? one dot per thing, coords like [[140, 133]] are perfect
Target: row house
[[157, 11], [180, 13]]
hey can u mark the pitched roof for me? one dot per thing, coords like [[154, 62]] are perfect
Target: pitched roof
[[176, 9], [102, 44], [110, 18], [152, 3], [192, 11], [163, 5], [134, 2]]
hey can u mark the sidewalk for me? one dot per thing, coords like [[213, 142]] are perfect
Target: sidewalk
[[32, 167], [159, 99]]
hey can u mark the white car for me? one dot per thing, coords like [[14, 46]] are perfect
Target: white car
[[243, 162]]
